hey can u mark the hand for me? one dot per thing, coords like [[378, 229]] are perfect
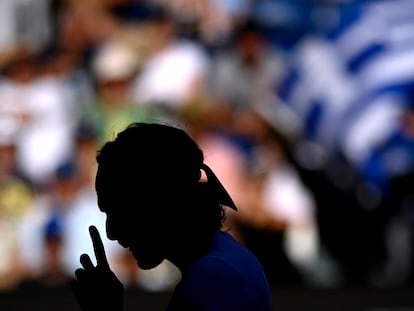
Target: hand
[[97, 288]]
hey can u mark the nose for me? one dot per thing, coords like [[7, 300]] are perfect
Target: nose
[[111, 230]]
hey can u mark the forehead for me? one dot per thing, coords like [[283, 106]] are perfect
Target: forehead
[[128, 188], [143, 176]]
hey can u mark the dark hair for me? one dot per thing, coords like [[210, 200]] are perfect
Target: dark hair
[[167, 163]]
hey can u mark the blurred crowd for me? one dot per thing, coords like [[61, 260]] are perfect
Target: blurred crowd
[[304, 109]]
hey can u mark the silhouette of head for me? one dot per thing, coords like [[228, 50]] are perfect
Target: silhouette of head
[[149, 185]]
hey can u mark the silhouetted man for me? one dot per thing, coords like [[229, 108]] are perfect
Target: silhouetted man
[[150, 187]]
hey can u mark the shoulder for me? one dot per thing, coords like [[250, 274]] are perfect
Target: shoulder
[[215, 270], [209, 284], [224, 278], [212, 284]]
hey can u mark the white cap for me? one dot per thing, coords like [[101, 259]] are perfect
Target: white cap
[[115, 60]]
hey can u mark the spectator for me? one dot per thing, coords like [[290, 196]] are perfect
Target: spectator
[[42, 109], [114, 67], [16, 199], [159, 81], [245, 76]]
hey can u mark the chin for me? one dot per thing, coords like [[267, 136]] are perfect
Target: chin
[[147, 262], [148, 265]]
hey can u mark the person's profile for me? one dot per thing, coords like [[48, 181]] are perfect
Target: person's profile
[[157, 205]]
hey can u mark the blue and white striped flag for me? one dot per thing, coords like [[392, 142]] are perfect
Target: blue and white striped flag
[[352, 86]]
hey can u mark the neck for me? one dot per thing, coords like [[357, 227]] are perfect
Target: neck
[[183, 255]]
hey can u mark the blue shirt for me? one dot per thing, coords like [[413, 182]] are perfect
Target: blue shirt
[[228, 277]]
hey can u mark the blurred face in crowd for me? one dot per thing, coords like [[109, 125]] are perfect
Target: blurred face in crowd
[[7, 158], [114, 92], [251, 46], [23, 71]]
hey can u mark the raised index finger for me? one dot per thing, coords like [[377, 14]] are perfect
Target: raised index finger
[[98, 248]]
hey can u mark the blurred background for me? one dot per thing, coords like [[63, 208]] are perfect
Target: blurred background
[[304, 109]]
